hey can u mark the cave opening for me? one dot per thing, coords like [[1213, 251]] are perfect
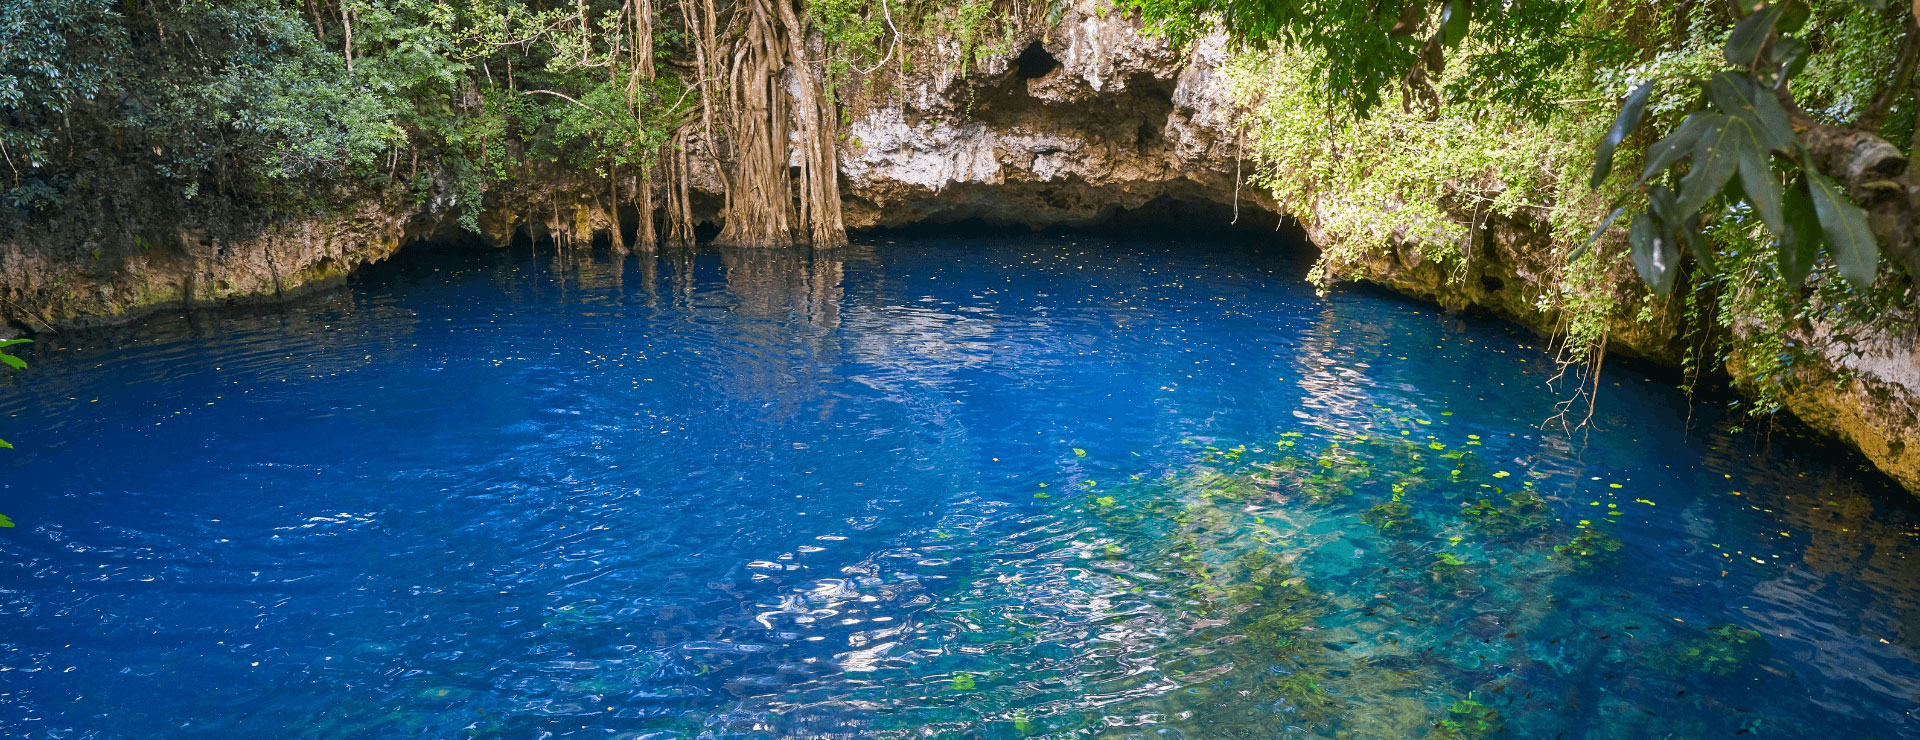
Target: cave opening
[[1167, 216], [1034, 62]]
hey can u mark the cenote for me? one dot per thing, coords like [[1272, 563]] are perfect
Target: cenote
[[993, 486]]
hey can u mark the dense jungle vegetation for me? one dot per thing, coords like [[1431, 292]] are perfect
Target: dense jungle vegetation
[[1769, 140]]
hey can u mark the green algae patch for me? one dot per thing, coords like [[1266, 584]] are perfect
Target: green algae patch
[[1590, 550], [1721, 651]]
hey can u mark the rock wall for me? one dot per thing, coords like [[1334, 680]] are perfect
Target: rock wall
[[1073, 124], [115, 276], [1863, 388]]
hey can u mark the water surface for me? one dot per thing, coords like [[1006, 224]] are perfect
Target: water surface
[[983, 487]]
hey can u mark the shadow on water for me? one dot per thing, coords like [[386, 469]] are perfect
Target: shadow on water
[[985, 486]]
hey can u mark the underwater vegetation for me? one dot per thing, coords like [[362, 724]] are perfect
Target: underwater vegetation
[[1391, 518], [1720, 651], [1466, 613], [1468, 719], [1590, 550], [1517, 513]]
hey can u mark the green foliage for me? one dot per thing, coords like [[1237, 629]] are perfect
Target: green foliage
[[1713, 166], [192, 97], [1398, 177], [1364, 49], [1743, 129], [16, 363], [266, 103]]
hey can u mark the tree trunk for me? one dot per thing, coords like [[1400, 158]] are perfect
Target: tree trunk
[[759, 197], [678, 215], [819, 155]]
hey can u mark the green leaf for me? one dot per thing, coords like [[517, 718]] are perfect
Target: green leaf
[[1654, 255], [17, 363], [1791, 55], [1800, 243], [1453, 22], [1743, 45], [1762, 189], [963, 682], [5, 522], [1661, 202], [1675, 146], [5, 444], [1844, 225], [11, 342], [1715, 157], [1793, 15], [1596, 233], [1630, 114], [1737, 95], [1674, 224], [1697, 245]]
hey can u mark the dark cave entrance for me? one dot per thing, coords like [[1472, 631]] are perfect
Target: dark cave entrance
[[1034, 62]]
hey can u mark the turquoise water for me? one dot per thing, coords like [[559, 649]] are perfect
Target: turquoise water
[[986, 487]]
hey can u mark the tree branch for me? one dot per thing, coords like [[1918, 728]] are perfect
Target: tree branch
[[1875, 174]]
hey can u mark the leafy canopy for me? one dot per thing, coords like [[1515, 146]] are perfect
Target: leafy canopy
[[1367, 47]]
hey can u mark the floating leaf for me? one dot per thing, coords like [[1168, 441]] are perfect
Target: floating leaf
[[1654, 255], [5, 522], [16, 362], [1629, 118], [11, 342], [963, 682], [1800, 243], [5, 444], [1077, 452], [1845, 227], [1743, 45]]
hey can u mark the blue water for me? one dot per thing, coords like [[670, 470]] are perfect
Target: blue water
[[985, 487]]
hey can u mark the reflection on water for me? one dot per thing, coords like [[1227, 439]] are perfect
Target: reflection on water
[[983, 488]]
